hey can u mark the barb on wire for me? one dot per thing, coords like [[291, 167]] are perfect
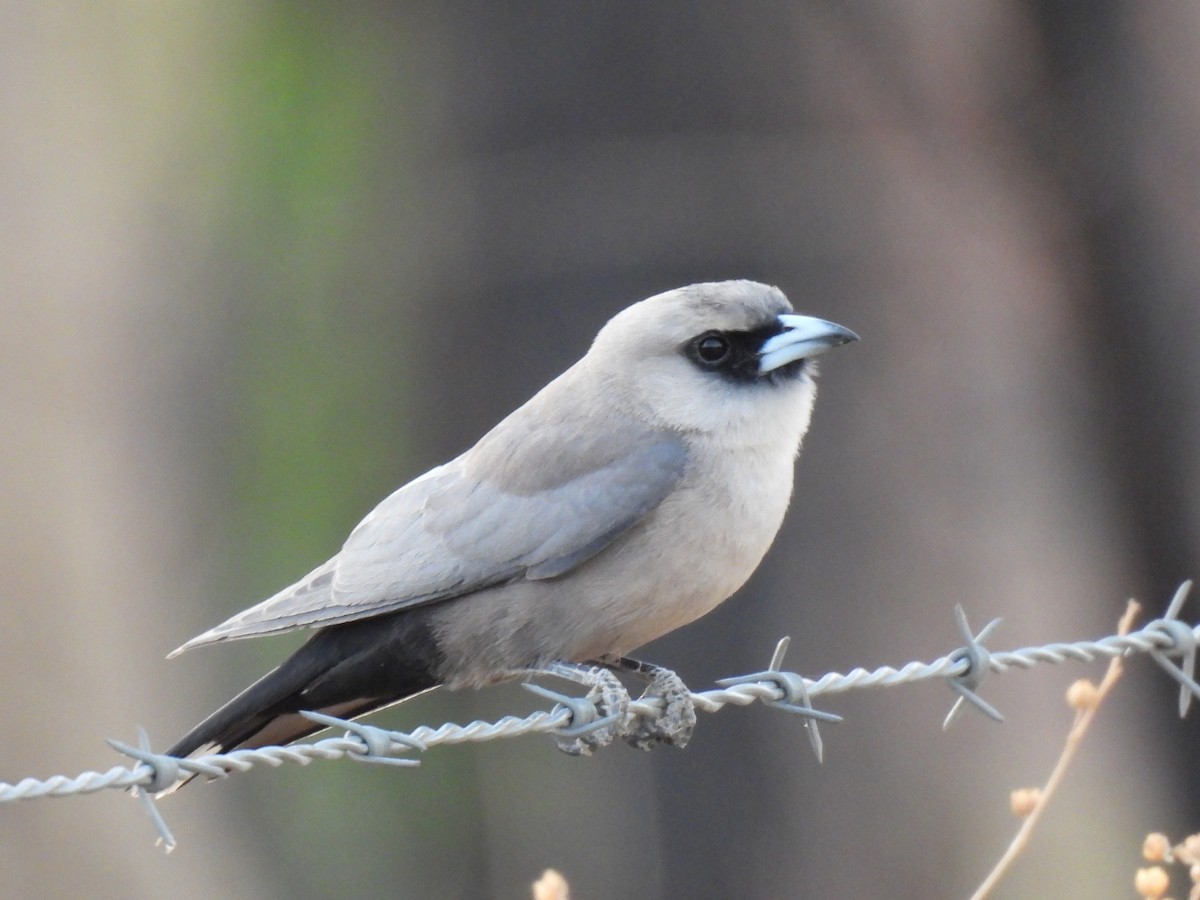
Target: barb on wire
[[1183, 644], [795, 695], [1169, 641], [978, 662]]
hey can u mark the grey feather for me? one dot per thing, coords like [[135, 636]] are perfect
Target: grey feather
[[452, 531]]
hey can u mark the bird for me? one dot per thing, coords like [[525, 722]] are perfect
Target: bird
[[627, 498]]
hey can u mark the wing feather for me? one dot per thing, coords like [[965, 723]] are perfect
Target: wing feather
[[528, 501]]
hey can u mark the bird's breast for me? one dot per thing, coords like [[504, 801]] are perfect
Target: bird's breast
[[694, 551]]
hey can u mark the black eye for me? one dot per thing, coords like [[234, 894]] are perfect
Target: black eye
[[712, 349]]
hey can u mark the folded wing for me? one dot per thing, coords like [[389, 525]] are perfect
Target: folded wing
[[528, 501]]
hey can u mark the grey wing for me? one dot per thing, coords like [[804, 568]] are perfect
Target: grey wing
[[454, 531]]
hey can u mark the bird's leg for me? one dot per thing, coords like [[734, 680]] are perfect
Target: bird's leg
[[675, 724], [610, 698]]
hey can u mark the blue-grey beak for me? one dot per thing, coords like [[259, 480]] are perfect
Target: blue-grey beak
[[802, 338]]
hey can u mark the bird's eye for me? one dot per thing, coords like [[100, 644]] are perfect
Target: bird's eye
[[712, 349]]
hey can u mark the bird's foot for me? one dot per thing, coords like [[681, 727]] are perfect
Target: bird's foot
[[607, 696], [675, 724]]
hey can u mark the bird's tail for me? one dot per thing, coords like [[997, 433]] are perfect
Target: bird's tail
[[344, 670]]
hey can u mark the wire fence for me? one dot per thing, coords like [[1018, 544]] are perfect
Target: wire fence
[[1169, 641]]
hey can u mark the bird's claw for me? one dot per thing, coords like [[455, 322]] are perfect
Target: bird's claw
[[611, 701], [608, 703], [674, 725]]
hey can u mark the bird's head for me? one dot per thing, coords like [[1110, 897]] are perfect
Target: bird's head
[[717, 357]]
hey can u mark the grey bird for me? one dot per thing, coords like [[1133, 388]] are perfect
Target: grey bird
[[627, 498]]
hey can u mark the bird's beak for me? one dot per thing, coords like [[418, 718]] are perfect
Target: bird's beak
[[803, 337]]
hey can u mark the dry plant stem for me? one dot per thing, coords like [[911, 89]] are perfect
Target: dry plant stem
[[1083, 719]]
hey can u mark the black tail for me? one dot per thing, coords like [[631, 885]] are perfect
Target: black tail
[[344, 670]]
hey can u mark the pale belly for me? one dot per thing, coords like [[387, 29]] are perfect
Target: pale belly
[[704, 562]]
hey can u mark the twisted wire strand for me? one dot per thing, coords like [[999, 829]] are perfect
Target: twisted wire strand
[[1164, 639]]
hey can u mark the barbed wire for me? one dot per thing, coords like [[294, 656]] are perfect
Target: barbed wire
[[1165, 640]]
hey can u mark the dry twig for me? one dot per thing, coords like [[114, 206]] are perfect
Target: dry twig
[[1084, 714]]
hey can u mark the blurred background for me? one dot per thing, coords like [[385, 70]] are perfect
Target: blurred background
[[261, 263]]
